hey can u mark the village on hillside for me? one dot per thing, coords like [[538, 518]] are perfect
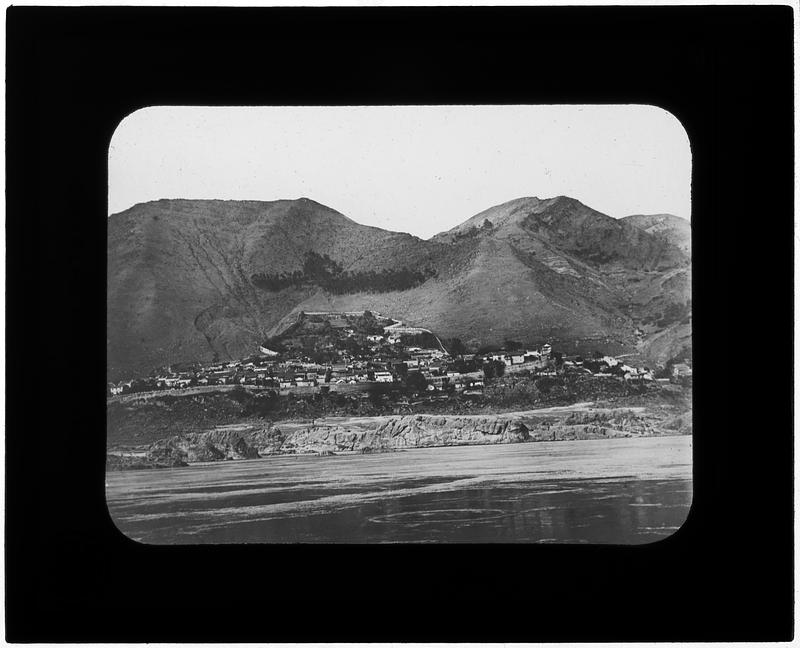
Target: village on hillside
[[352, 352]]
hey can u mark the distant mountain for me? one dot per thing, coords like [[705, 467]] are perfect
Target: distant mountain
[[570, 227], [198, 279], [180, 273], [674, 229]]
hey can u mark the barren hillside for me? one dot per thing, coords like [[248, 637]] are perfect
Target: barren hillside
[[198, 279]]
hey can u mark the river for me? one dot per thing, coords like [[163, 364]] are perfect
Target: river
[[619, 491]]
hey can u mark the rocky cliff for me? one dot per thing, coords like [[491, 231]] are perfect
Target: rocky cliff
[[389, 433], [420, 431], [608, 424], [202, 446], [393, 433]]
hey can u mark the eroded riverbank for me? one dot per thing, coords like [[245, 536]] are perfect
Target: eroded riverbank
[[367, 434]]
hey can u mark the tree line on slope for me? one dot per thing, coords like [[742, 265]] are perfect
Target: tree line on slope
[[323, 271]]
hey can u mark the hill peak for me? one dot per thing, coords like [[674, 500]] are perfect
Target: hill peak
[[200, 207], [674, 229], [508, 214]]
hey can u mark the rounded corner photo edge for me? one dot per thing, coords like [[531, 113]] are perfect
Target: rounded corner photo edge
[[687, 520], [673, 117], [113, 519], [124, 119]]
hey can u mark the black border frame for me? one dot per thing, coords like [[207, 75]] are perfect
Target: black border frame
[[74, 73]]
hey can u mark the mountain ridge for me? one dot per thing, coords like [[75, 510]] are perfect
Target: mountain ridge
[[181, 275]]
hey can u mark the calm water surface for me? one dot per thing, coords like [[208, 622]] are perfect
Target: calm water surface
[[627, 491]]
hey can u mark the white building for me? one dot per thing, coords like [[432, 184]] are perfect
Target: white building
[[681, 369]]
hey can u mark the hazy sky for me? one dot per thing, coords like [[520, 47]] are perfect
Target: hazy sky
[[418, 169]]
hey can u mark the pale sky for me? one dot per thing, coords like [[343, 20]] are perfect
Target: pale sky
[[416, 169]]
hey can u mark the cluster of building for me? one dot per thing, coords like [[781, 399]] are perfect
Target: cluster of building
[[300, 373], [538, 358], [611, 366], [378, 359]]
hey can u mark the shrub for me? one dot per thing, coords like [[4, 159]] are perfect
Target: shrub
[[415, 381], [323, 271]]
